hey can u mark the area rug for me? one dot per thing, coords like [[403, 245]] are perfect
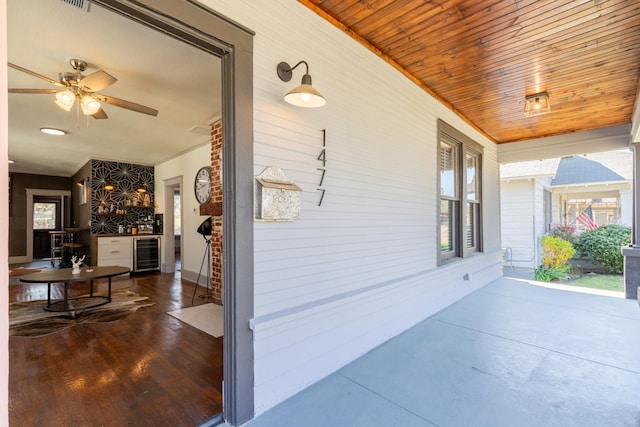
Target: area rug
[[29, 319], [21, 271], [206, 317]]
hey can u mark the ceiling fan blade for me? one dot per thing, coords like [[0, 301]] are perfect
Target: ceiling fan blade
[[34, 74], [33, 90], [97, 81], [101, 114], [126, 104]]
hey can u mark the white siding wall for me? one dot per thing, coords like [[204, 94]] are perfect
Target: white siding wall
[[519, 222], [540, 184], [522, 210], [361, 268]]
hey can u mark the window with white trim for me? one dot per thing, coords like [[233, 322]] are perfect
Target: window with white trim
[[460, 198]]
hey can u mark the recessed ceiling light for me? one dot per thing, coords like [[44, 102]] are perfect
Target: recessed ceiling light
[[53, 131]]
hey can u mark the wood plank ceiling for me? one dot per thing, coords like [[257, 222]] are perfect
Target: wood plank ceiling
[[482, 57]]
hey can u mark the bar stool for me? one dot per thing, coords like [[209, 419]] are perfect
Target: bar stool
[[57, 237]]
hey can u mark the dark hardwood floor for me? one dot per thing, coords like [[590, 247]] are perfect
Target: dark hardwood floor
[[148, 369]]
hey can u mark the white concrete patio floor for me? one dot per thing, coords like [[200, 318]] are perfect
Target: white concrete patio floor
[[510, 354]]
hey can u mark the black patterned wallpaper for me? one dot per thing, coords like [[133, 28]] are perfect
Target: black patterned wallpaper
[[129, 206]]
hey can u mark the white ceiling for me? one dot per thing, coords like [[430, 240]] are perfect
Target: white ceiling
[[152, 69]]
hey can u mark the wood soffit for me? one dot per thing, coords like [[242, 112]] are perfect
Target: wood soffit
[[481, 58]]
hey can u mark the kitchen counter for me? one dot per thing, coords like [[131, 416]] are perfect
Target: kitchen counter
[[138, 252], [127, 235]]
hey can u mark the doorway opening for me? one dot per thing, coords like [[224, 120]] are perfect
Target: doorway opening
[[37, 232], [177, 228], [172, 229], [190, 22], [47, 217]]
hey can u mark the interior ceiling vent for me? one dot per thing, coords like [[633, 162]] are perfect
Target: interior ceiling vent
[[80, 4], [202, 130]]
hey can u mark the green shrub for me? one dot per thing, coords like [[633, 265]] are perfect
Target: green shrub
[[543, 274], [603, 245]]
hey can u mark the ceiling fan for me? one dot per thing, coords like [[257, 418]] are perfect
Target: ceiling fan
[[75, 86]]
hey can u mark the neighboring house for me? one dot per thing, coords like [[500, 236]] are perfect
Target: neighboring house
[[539, 195]]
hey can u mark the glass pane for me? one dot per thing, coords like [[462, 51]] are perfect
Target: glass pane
[[447, 170], [44, 216], [471, 225], [447, 226], [472, 186]]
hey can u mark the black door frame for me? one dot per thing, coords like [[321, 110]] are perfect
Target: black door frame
[[193, 23]]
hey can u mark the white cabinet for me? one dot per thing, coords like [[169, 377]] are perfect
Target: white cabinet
[[115, 250]]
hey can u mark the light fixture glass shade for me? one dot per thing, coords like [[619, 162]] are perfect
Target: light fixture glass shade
[[141, 189], [305, 95], [537, 104], [108, 186], [65, 99], [89, 105]]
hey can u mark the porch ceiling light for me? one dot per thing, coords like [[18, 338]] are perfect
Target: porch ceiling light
[[537, 104]]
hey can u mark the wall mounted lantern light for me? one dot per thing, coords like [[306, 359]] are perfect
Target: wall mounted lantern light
[[537, 104], [304, 95]]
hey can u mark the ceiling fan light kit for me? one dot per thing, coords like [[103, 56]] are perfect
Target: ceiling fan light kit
[[65, 99], [89, 105], [74, 85], [537, 104]]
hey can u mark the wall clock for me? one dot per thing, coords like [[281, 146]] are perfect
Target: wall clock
[[202, 185]]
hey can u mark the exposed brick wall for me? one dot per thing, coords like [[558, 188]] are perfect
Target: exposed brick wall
[[216, 224]]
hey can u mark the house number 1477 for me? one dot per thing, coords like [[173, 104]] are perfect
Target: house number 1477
[[323, 158]]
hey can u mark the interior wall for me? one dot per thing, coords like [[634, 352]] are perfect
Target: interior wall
[[361, 266], [81, 212], [4, 226], [18, 209], [193, 243]]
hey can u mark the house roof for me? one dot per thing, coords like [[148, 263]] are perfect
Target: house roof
[[530, 169], [592, 168]]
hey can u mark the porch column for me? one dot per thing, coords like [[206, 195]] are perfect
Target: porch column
[[631, 253]]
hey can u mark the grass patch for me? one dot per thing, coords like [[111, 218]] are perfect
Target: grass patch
[[608, 282]]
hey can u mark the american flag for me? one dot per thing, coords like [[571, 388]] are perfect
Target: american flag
[[586, 218]]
